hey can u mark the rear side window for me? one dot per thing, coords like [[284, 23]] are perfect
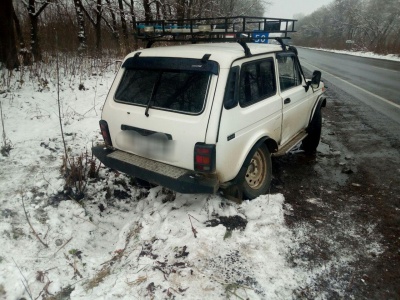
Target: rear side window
[[289, 72], [257, 81], [230, 98]]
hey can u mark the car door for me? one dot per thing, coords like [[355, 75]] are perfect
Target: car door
[[256, 112], [296, 100]]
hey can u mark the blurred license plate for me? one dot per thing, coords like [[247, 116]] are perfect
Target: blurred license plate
[[156, 145]]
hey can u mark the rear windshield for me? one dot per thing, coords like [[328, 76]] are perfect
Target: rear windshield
[[178, 90]]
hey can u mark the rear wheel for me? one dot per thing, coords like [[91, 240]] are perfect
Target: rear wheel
[[258, 176], [310, 143]]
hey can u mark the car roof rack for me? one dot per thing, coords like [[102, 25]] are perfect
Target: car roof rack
[[241, 29]]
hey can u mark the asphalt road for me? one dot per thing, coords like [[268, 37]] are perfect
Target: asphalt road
[[373, 81], [355, 178]]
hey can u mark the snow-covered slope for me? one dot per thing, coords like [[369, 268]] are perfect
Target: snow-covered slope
[[121, 240]]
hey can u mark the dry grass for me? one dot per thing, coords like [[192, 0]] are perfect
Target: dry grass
[[98, 278], [106, 269], [138, 281]]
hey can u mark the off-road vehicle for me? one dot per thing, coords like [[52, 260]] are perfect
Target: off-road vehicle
[[208, 114]]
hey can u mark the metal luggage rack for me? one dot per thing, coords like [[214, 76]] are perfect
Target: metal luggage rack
[[243, 28]]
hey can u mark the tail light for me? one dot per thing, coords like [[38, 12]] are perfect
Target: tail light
[[204, 157], [105, 132]]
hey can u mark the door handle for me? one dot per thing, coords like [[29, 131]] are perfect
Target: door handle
[[286, 101]]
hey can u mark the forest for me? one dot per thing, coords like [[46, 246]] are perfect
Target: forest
[[360, 25], [30, 30], [95, 27]]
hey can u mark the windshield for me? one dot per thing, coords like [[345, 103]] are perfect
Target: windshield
[[178, 90]]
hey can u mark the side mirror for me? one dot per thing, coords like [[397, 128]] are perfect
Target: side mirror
[[316, 79]]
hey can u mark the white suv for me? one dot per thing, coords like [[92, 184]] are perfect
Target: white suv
[[201, 117]]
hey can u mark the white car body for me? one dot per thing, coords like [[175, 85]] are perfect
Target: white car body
[[162, 141]]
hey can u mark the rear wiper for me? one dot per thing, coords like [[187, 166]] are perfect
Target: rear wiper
[[146, 113], [153, 93]]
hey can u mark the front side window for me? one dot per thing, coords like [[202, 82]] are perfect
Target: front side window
[[289, 73], [178, 90], [257, 81]]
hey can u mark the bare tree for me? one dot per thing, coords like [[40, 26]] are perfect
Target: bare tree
[[180, 9], [372, 25], [384, 19], [23, 51], [96, 21], [133, 21], [123, 24], [97, 25], [20, 37], [147, 10], [99, 22], [8, 50], [81, 25], [34, 10], [113, 25]]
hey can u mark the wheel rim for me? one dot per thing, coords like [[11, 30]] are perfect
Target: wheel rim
[[257, 170]]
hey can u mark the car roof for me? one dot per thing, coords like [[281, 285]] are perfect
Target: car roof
[[223, 53]]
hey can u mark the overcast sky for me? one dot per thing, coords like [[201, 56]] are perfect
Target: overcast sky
[[288, 8]]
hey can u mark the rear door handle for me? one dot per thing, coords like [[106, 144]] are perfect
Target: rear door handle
[[287, 101]]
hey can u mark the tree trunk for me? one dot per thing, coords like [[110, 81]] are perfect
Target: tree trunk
[[180, 9], [35, 43], [147, 11], [133, 20], [123, 25], [164, 9], [23, 51], [8, 50], [158, 10], [18, 30], [113, 26], [81, 25], [98, 25], [34, 19], [190, 9]]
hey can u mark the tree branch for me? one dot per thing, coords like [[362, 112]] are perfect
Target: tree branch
[[41, 9], [25, 3], [30, 225], [24, 282], [87, 15]]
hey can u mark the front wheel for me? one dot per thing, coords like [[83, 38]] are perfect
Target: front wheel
[[310, 143], [258, 176]]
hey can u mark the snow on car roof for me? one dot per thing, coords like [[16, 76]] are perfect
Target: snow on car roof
[[223, 53]]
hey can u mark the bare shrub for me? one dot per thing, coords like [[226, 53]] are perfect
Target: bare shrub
[[77, 171]]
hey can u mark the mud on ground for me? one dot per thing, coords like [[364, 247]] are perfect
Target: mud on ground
[[348, 196]]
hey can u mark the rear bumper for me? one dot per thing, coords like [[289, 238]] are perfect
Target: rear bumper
[[177, 179]]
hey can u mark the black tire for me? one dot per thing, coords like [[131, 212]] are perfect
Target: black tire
[[258, 176], [311, 142]]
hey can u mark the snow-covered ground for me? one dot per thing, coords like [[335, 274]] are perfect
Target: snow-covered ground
[[121, 240], [393, 57]]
